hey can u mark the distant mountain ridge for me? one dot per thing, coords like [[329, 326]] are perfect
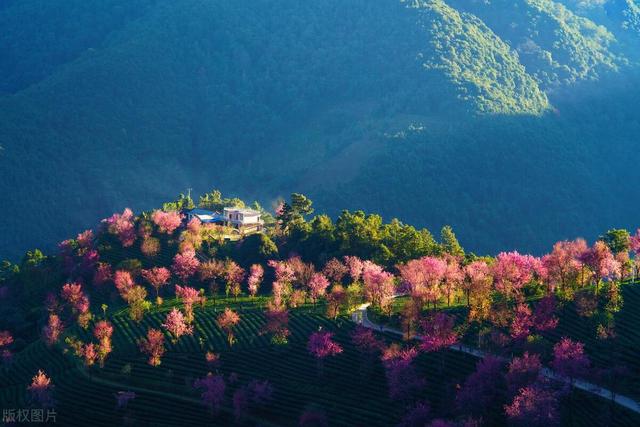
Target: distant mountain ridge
[[362, 104]]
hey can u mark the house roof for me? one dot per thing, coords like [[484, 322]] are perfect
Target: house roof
[[206, 216], [244, 211]]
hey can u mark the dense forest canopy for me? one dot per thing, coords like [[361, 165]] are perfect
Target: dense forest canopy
[[505, 119]]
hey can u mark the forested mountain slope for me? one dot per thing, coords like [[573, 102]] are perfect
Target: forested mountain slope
[[484, 115]]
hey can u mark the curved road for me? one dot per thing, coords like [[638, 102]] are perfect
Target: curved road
[[361, 317]]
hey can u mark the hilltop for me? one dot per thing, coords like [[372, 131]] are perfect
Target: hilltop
[[158, 318]]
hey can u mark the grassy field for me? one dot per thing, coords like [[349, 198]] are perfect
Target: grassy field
[[348, 394]]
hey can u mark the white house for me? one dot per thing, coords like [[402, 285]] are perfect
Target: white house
[[243, 220]]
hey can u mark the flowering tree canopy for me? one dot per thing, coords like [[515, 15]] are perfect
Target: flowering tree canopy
[[213, 388], [569, 359], [185, 264], [153, 346], [122, 225], [175, 324], [167, 222]]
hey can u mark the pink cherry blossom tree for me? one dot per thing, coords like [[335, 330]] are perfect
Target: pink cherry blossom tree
[[72, 293], [153, 346], [438, 332], [277, 324], [482, 392], [102, 274], [123, 281], [185, 265], [255, 278], [234, 275], [534, 406], [176, 325], [522, 322], [569, 359], [157, 277], [355, 266], [321, 346], [563, 263], [103, 330], [512, 271], [189, 296], [213, 390], [602, 263], [122, 225], [318, 286], [227, 320], [335, 270], [453, 278], [52, 330], [544, 314], [40, 390], [167, 222], [523, 371], [402, 378], [379, 286]]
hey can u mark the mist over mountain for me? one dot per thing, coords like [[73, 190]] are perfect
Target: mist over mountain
[[514, 121]]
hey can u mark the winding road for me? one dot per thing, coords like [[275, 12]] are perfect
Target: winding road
[[361, 317]]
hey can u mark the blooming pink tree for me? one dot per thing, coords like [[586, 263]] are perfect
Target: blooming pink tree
[[283, 271], [404, 382], [189, 297], [335, 270], [523, 371], [477, 285], [227, 320], [277, 324], [434, 271], [176, 325], [153, 346], [602, 263], [122, 225], [185, 265], [318, 286], [438, 332], [569, 359], [103, 330], [534, 406], [367, 345], [512, 271], [482, 390], [72, 293], [234, 275], [167, 222], [544, 314], [123, 281], [213, 388], [102, 274], [157, 277], [255, 278], [522, 322], [51, 332], [453, 278], [321, 346], [40, 390], [355, 266], [379, 286], [563, 264]]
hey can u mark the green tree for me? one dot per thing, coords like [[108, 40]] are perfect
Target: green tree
[[618, 240], [450, 243]]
